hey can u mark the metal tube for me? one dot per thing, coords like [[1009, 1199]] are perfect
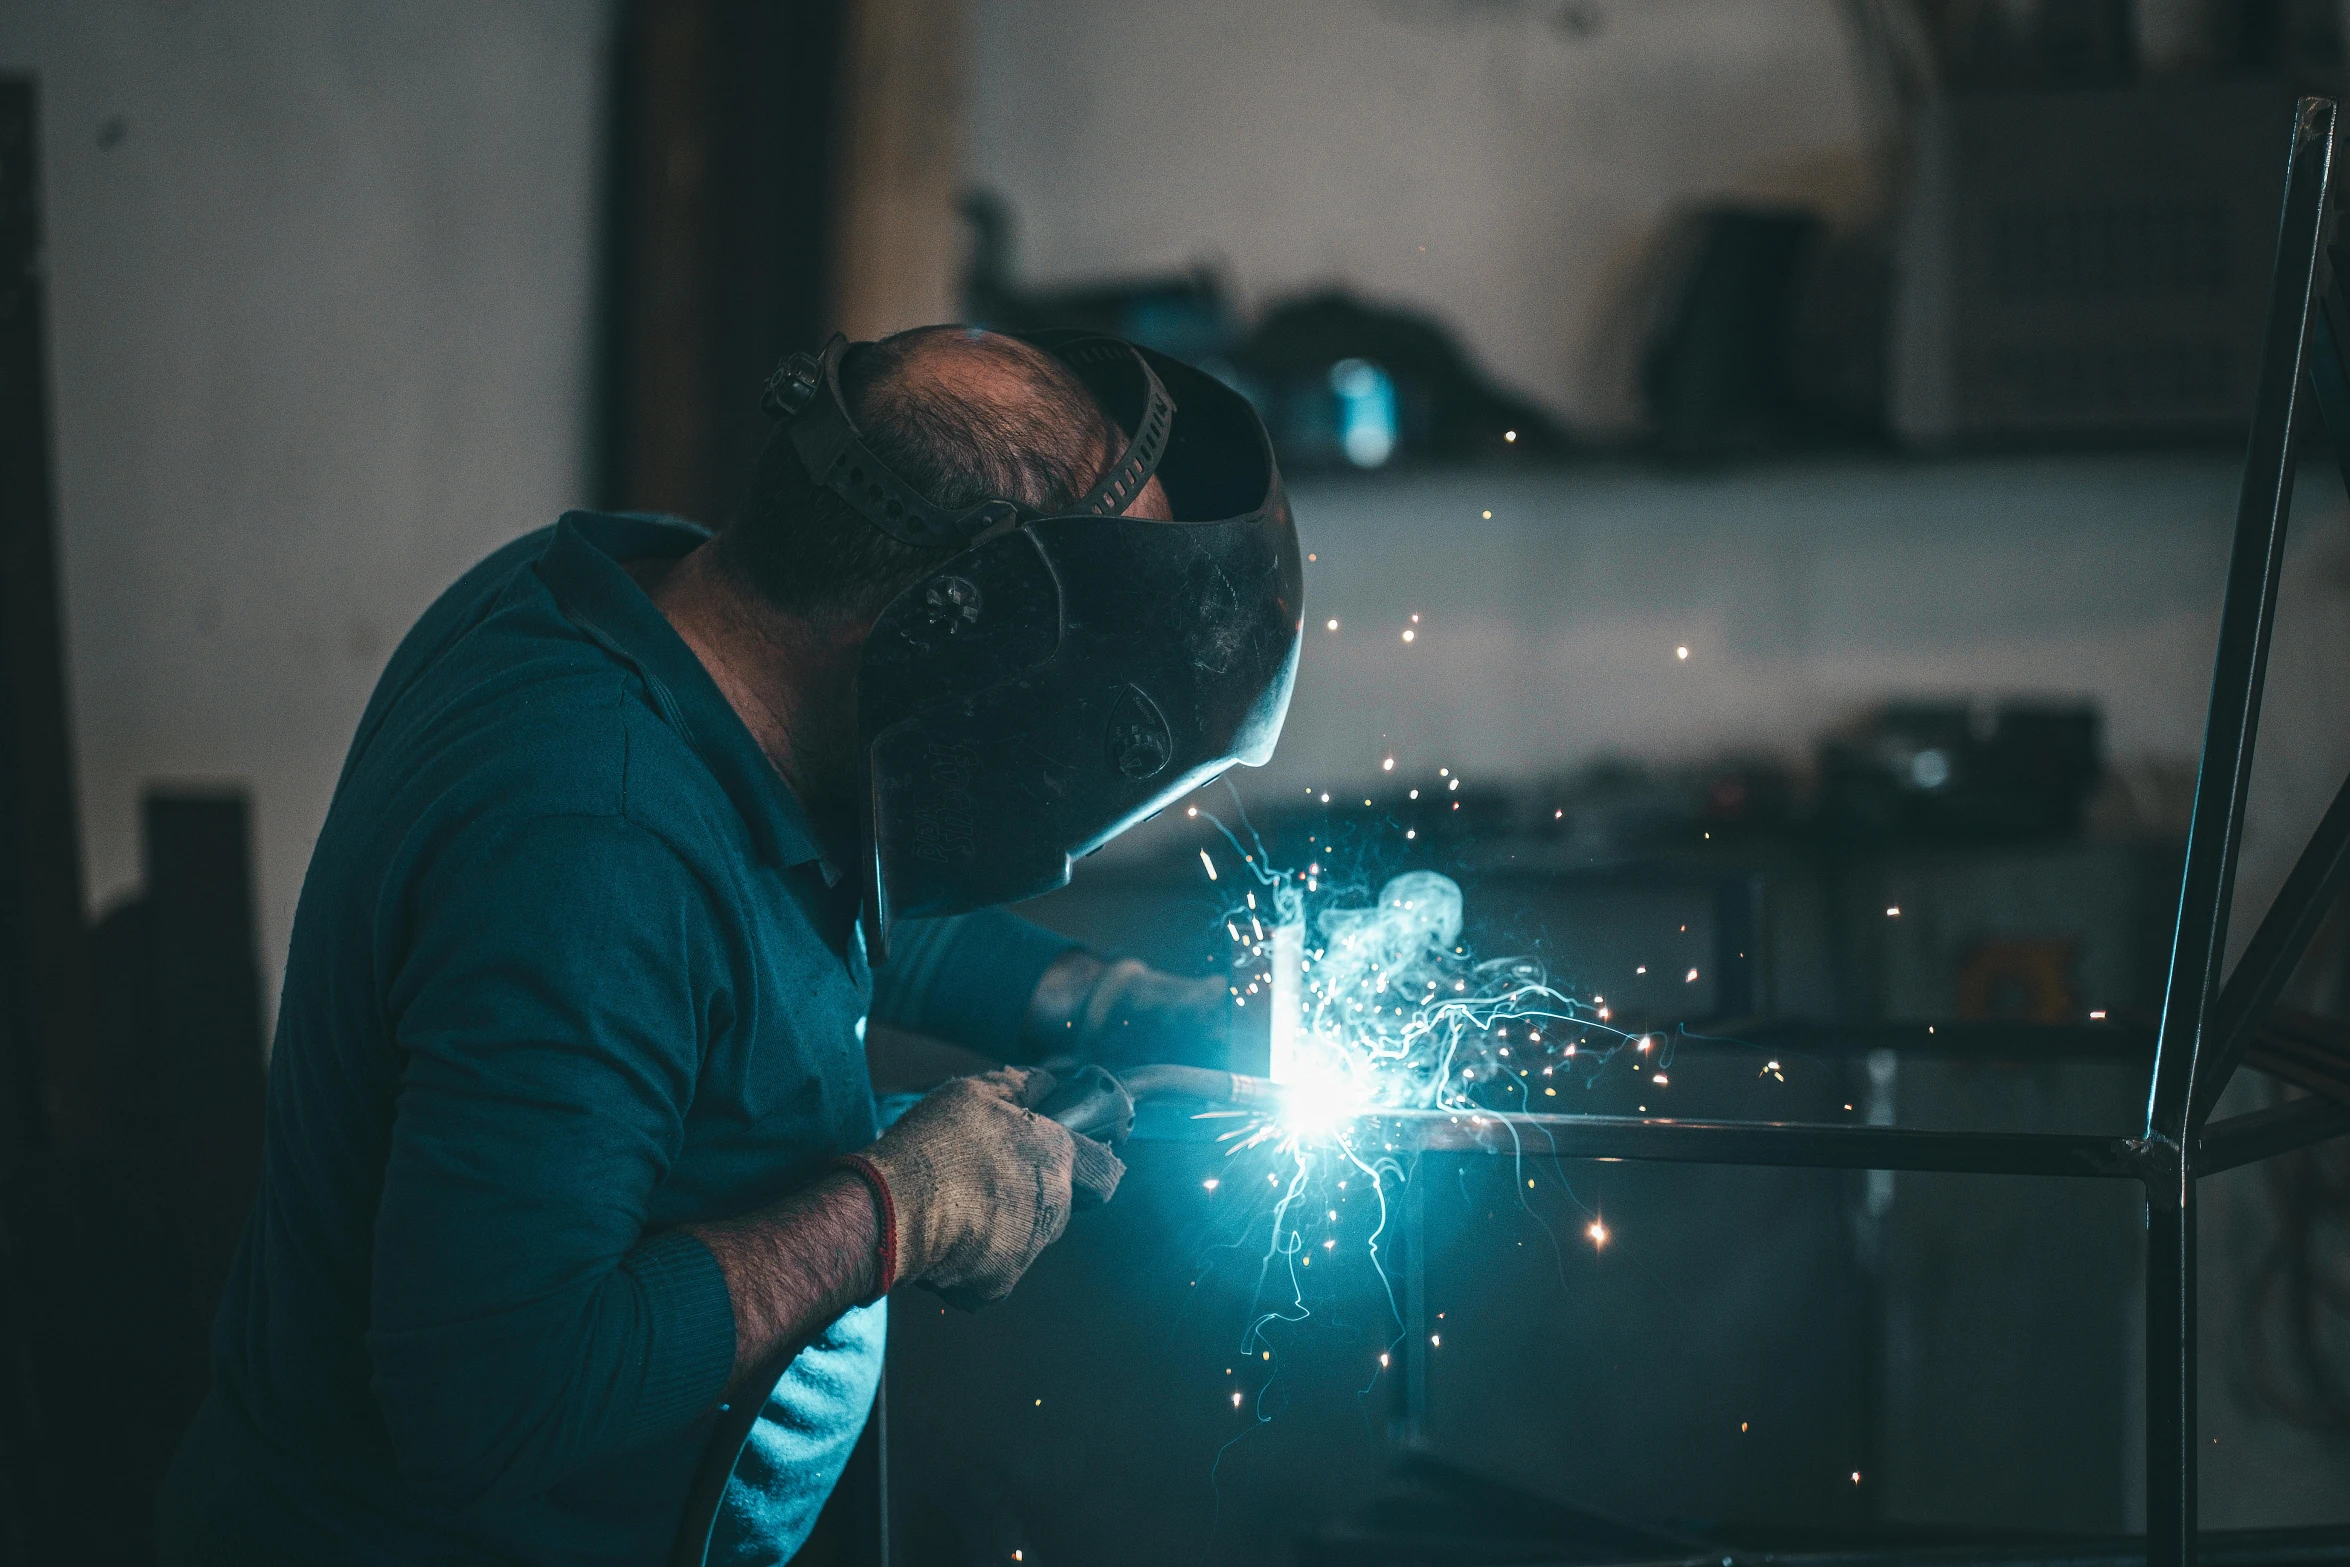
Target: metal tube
[[2284, 935], [2170, 1368], [1799, 1144], [2263, 1134], [2247, 615]]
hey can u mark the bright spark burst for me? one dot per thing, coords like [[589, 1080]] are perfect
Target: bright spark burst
[[1379, 1007]]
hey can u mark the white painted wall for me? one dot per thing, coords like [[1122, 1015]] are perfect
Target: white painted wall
[[320, 282], [1469, 157], [1805, 593]]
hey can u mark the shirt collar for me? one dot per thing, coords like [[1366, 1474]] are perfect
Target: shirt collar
[[581, 567]]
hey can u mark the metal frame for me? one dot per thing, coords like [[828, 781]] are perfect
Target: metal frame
[[2206, 1026]]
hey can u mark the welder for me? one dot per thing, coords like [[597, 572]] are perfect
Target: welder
[[570, 1139]]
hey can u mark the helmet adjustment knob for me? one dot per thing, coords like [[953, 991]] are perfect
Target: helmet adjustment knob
[[793, 386]]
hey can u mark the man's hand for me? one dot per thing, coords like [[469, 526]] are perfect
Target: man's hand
[[977, 1183], [1126, 1013], [962, 1194]]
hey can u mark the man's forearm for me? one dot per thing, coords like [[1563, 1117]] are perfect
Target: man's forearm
[[794, 1266]]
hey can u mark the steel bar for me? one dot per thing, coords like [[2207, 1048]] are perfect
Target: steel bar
[[2171, 1477], [2329, 364], [2284, 934], [2247, 615], [2312, 1053], [2183, 1040], [1793, 1144], [2262, 1134]]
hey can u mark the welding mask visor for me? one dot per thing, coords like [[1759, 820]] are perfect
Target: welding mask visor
[[1065, 677]]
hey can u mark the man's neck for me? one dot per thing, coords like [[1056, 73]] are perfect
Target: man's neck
[[791, 681]]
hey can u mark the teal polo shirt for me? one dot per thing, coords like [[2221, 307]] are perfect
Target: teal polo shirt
[[568, 973]]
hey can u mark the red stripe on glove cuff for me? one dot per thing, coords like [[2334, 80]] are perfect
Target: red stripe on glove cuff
[[886, 1270]]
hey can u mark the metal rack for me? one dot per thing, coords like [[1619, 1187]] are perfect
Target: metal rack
[[2206, 1026]]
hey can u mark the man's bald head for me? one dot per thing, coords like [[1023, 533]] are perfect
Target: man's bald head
[[959, 414]]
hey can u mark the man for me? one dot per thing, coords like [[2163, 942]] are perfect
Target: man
[[569, 1133]]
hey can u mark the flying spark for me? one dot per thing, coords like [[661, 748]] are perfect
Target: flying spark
[[1381, 1006]]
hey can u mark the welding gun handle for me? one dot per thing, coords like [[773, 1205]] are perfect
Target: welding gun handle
[[1203, 1083], [1091, 1103]]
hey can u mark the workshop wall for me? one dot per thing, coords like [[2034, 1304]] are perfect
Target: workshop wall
[[1551, 603], [320, 292], [1504, 166]]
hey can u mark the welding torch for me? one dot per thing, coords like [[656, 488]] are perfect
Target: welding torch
[[1093, 1102]]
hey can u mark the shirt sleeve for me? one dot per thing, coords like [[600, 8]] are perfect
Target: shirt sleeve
[[967, 979], [549, 996]]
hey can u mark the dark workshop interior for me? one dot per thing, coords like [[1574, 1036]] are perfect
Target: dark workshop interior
[[1826, 519]]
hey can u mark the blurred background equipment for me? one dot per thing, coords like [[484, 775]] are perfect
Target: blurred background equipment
[[1342, 384], [1187, 314], [2085, 264], [1346, 384], [1946, 770]]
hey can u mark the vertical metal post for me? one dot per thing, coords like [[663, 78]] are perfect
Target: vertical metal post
[[2170, 1368], [2199, 942], [2247, 616]]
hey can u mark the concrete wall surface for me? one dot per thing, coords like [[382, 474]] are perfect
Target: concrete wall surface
[[320, 322]]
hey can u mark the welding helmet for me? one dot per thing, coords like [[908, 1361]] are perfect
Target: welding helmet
[[1061, 677]]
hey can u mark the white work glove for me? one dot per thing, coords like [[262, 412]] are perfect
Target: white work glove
[[972, 1184]]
